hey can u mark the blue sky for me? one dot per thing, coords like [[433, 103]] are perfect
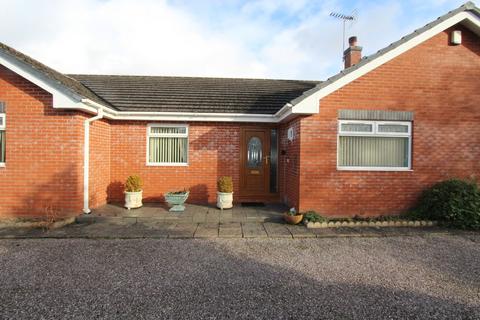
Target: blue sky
[[293, 39]]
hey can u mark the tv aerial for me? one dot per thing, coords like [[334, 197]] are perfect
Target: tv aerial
[[350, 19]]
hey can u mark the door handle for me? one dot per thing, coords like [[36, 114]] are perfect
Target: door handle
[[267, 159]]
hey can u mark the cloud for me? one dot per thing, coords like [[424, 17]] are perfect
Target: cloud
[[264, 38]]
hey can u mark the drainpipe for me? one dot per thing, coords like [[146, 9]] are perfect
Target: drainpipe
[[86, 159]]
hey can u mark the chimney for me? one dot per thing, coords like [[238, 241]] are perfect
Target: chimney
[[353, 54]]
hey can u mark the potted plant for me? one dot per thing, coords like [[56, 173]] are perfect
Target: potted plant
[[225, 193], [292, 216], [176, 199], [133, 192]]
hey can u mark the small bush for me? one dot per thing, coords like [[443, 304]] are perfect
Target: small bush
[[312, 216], [225, 184], [179, 191], [133, 184], [452, 202]]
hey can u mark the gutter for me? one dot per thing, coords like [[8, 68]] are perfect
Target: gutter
[[86, 159]]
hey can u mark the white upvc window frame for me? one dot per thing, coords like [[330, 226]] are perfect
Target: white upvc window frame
[[375, 133], [3, 127], [167, 135]]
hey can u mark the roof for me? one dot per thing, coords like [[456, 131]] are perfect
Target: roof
[[260, 97], [60, 78], [190, 94], [469, 7]]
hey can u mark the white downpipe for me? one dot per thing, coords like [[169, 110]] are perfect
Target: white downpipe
[[86, 159]]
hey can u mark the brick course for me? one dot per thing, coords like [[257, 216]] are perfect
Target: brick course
[[436, 81], [440, 84], [43, 154]]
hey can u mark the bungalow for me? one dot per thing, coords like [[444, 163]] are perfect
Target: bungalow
[[365, 141]]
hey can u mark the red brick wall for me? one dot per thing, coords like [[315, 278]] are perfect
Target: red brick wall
[[213, 152], [289, 164], [100, 155], [43, 152], [440, 83]]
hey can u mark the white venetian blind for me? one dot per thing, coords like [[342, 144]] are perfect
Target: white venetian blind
[[373, 151], [2, 138], [168, 145], [374, 144]]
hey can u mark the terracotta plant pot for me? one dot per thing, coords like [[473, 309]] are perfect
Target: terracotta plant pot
[[293, 219]]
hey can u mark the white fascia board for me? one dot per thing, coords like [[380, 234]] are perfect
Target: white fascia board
[[62, 97], [311, 103], [184, 116]]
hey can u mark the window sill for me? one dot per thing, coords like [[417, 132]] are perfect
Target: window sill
[[385, 169], [167, 164], [2, 165]]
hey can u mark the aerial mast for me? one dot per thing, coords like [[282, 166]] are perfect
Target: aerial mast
[[344, 18]]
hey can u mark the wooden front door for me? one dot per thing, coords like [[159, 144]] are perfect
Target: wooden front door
[[255, 156]]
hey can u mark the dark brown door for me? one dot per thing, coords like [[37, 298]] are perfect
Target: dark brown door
[[255, 156]]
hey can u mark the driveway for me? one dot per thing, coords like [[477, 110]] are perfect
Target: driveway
[[433, 277]]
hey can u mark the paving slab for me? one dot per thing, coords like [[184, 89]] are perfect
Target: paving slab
[[226, 216], [300, 231], [155, 229], [206, 230], [277, 230], [212, 217], [183, 230], [230, 230], [347, 232], [253, 230], [199, 217], [323, 232], [371, 232]]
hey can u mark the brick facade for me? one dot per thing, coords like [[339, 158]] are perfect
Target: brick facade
[[43, 155], [437, 81], [440, 84], [213, 152]]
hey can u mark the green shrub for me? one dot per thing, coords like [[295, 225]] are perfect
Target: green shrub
[[225, 184], [133, 184], [312, 216], [452, 202]]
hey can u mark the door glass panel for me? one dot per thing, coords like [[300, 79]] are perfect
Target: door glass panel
[[254, 152], [273, 160]]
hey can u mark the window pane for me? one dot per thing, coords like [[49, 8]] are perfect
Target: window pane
[[168, 150], [392, 128], [2, 146], [273, 160], [357, 127], [373, 151], [169, 130], [254, 152]]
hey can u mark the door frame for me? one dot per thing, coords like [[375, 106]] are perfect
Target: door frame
[[267, 196]]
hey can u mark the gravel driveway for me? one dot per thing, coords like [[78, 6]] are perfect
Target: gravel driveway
[[435, 277]]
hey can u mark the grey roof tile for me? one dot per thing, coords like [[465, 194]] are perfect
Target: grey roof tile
[[190, 94]]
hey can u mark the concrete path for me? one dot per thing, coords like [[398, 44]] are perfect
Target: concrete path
[[129, 229]]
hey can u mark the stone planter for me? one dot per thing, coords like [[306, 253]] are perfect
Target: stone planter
[[176, 200], [133, 199], [224, 200], [293, 219]]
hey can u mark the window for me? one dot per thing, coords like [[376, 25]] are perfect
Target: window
[[167, 145], [374, 145], [2, 138]]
